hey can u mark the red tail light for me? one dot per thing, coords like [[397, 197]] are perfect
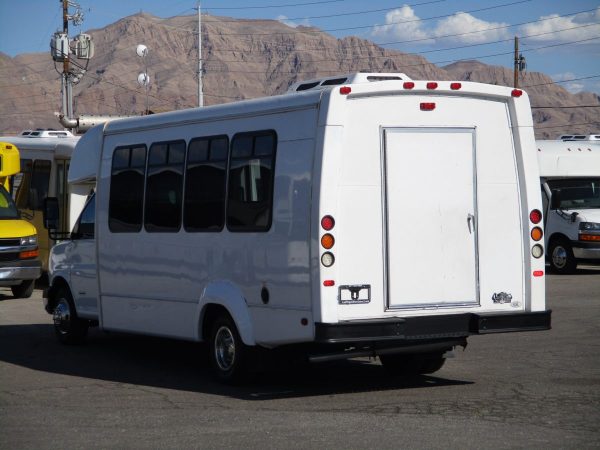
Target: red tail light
[[327, 222], [535, 216]]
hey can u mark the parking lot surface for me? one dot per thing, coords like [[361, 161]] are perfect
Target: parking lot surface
[[519, 390]]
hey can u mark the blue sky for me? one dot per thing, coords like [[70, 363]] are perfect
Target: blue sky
[[440, 30]]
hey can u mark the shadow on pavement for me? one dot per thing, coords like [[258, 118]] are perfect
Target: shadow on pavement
[[179, 365]]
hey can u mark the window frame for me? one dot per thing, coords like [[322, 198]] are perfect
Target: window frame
[[146, 177], [112, 160], [225, 184], [253, 134]]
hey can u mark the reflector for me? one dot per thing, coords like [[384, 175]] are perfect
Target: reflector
[[427, 106]]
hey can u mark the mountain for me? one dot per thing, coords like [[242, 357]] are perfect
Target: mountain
[[242, 59]]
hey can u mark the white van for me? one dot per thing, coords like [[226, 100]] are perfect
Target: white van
[[570, 176], [354, 216]]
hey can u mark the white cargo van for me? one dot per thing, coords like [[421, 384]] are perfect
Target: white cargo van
[[357, 215], [570, 176]]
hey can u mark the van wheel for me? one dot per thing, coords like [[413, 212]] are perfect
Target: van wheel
[[411, 365], [23, 290], [228, 354], [69, 328], [562, 260]]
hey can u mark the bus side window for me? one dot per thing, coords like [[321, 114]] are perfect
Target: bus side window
[[126, 198], [164, 187], [251, 181], [40, 183], [204, 205], [21, 183]]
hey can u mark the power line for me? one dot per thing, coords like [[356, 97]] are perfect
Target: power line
[[273, 6], [563, 81]]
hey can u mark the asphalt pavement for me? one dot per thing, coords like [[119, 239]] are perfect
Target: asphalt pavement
[[517, 390]]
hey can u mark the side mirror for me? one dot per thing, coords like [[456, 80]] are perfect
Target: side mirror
[[51, 213], [555, 200]]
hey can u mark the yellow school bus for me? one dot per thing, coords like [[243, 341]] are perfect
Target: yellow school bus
[[19, 254]]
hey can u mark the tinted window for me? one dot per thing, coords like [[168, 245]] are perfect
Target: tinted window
[[127, 189], [85, 226], [164, 186], [250, 195], [40, 181], [205, 184]]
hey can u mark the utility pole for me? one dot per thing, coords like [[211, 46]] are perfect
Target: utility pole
[[67, 86], [520, 64], [200, 93]]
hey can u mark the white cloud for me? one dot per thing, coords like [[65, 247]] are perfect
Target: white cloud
[[573, 87], [404, 25], [470, 30], [549, 25], [289, 23]]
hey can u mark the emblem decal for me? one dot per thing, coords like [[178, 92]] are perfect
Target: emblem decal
[[501, 297]]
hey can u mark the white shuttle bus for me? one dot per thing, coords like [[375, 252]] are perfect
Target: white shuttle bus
[[570, 176], [363, 215]]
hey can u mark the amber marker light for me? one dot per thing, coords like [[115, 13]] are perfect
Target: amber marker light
[[327, 241], [537, 233], [29, 254]]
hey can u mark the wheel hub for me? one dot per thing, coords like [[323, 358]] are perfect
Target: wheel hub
[[559, 257], [62, 316], [224, 349]]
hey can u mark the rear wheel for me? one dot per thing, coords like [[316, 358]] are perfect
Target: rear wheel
[[69, 328], [23, 290], [411, 365], [228, 354], [562, 259]]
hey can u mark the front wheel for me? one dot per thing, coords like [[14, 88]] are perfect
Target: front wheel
[[69, 328], [562, 259], [23, 290], [228, 354], [411, 365]]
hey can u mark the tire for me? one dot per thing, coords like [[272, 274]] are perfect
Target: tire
[[69, 328], [228, 354], [412, 365], [23, 290], [562, 260]]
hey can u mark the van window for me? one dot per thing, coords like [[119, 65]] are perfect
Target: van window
[[32, 184], [127, 189], [251, 179], [204, 206], [164, 187], [84, 229]]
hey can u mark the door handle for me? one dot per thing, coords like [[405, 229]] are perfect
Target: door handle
[[471, 223]]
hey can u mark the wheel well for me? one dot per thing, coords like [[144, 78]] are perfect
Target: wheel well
[[57, 284], [211, 312], [557, 237]]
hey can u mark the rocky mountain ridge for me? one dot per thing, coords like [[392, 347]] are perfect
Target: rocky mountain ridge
[[242, 59]]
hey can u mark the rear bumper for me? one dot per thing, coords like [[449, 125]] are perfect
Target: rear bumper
[[14, 272], [426, 328]]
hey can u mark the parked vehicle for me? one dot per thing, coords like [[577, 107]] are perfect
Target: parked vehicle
[[570, 176], [19, 262], [45, 156], [352, 216]]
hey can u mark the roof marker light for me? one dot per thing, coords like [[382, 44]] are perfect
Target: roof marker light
[[455, 86], [432, 85], [427, 106], [516, 92], [345, 90], [408, 85]]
